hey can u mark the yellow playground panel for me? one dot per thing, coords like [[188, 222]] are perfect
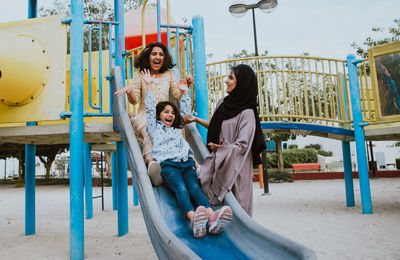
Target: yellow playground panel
[[33, 69], [385, 71]]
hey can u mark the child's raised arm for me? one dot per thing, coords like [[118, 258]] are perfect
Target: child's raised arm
[[185, 100]]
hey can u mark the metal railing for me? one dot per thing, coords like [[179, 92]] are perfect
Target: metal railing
[[292, 89], [368, 103], [94, 103]]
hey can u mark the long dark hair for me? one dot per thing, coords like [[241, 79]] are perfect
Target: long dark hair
[[178, 119], [142, 61]]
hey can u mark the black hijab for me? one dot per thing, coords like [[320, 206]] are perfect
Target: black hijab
[[243, 96]]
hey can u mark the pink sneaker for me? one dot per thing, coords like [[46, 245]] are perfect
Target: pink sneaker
[[219, 219], [199, 222]]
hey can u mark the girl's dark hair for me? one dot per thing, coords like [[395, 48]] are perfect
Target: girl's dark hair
[[142, 61], [178, 119]]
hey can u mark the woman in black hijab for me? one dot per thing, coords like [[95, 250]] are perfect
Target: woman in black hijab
[[234, 139]]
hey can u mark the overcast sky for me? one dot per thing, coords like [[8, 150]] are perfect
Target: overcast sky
[[324, 28]]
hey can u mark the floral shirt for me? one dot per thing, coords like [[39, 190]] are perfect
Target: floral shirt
[[168, 142]]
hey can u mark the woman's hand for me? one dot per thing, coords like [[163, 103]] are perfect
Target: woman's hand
[[183, 87], [188, 120], [126, 89], [214, 147], [148, 79]]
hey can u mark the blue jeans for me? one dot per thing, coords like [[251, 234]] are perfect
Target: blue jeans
[[181, 179]]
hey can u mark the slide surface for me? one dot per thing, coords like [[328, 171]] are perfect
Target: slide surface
[[169, 231]]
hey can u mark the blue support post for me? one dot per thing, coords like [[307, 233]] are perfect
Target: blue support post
[[87, 158], [359, 135], [348, 174], [121, 157], [32, 9], [200, 72], [119, 36], [158, 21], [114, 180], [135, 196], [30, 152], [122, 190], [76, 133], [30, 218]]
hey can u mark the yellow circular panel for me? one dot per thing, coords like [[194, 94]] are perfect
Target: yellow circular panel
[[24, 69]]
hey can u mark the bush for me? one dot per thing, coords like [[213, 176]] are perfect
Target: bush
[[325, 153], [275, 175], [294, 156]]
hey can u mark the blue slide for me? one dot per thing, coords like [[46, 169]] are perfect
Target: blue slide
[[169, 230]]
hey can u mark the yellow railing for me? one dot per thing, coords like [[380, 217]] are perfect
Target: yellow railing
[[292, 89]]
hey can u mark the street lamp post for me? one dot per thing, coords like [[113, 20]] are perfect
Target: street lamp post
[[239, 10]]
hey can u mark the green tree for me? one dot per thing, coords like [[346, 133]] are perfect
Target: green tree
[[47, 154], [317, 147], [245, 54], [393, 35]]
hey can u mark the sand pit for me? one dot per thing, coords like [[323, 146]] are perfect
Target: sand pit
[[310, 212]]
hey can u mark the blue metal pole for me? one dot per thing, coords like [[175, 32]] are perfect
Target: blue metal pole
[[123, 227], [87, 158], [158, 21], [178, 52], [119, 36], [135, 196], [30, 151], [200, 72], [32, 9], [30, 219], [348, 174], [121, 157], [114, 180], [359, 134], [76, 133]]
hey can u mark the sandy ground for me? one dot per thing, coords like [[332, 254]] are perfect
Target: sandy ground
[[310, 212]]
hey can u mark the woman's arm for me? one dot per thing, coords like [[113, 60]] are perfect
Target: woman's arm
[[132, 90], [131, 96]]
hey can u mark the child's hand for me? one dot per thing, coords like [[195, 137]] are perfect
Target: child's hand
[[189, 79], [183, 87], [148, 79]]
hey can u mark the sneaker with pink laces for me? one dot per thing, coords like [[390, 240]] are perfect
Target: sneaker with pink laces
[[199, 222], [219, 219]]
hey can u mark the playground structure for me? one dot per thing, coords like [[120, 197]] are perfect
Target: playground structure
[[303, 95]]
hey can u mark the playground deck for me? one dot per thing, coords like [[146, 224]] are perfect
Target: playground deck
[[57, 134]]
